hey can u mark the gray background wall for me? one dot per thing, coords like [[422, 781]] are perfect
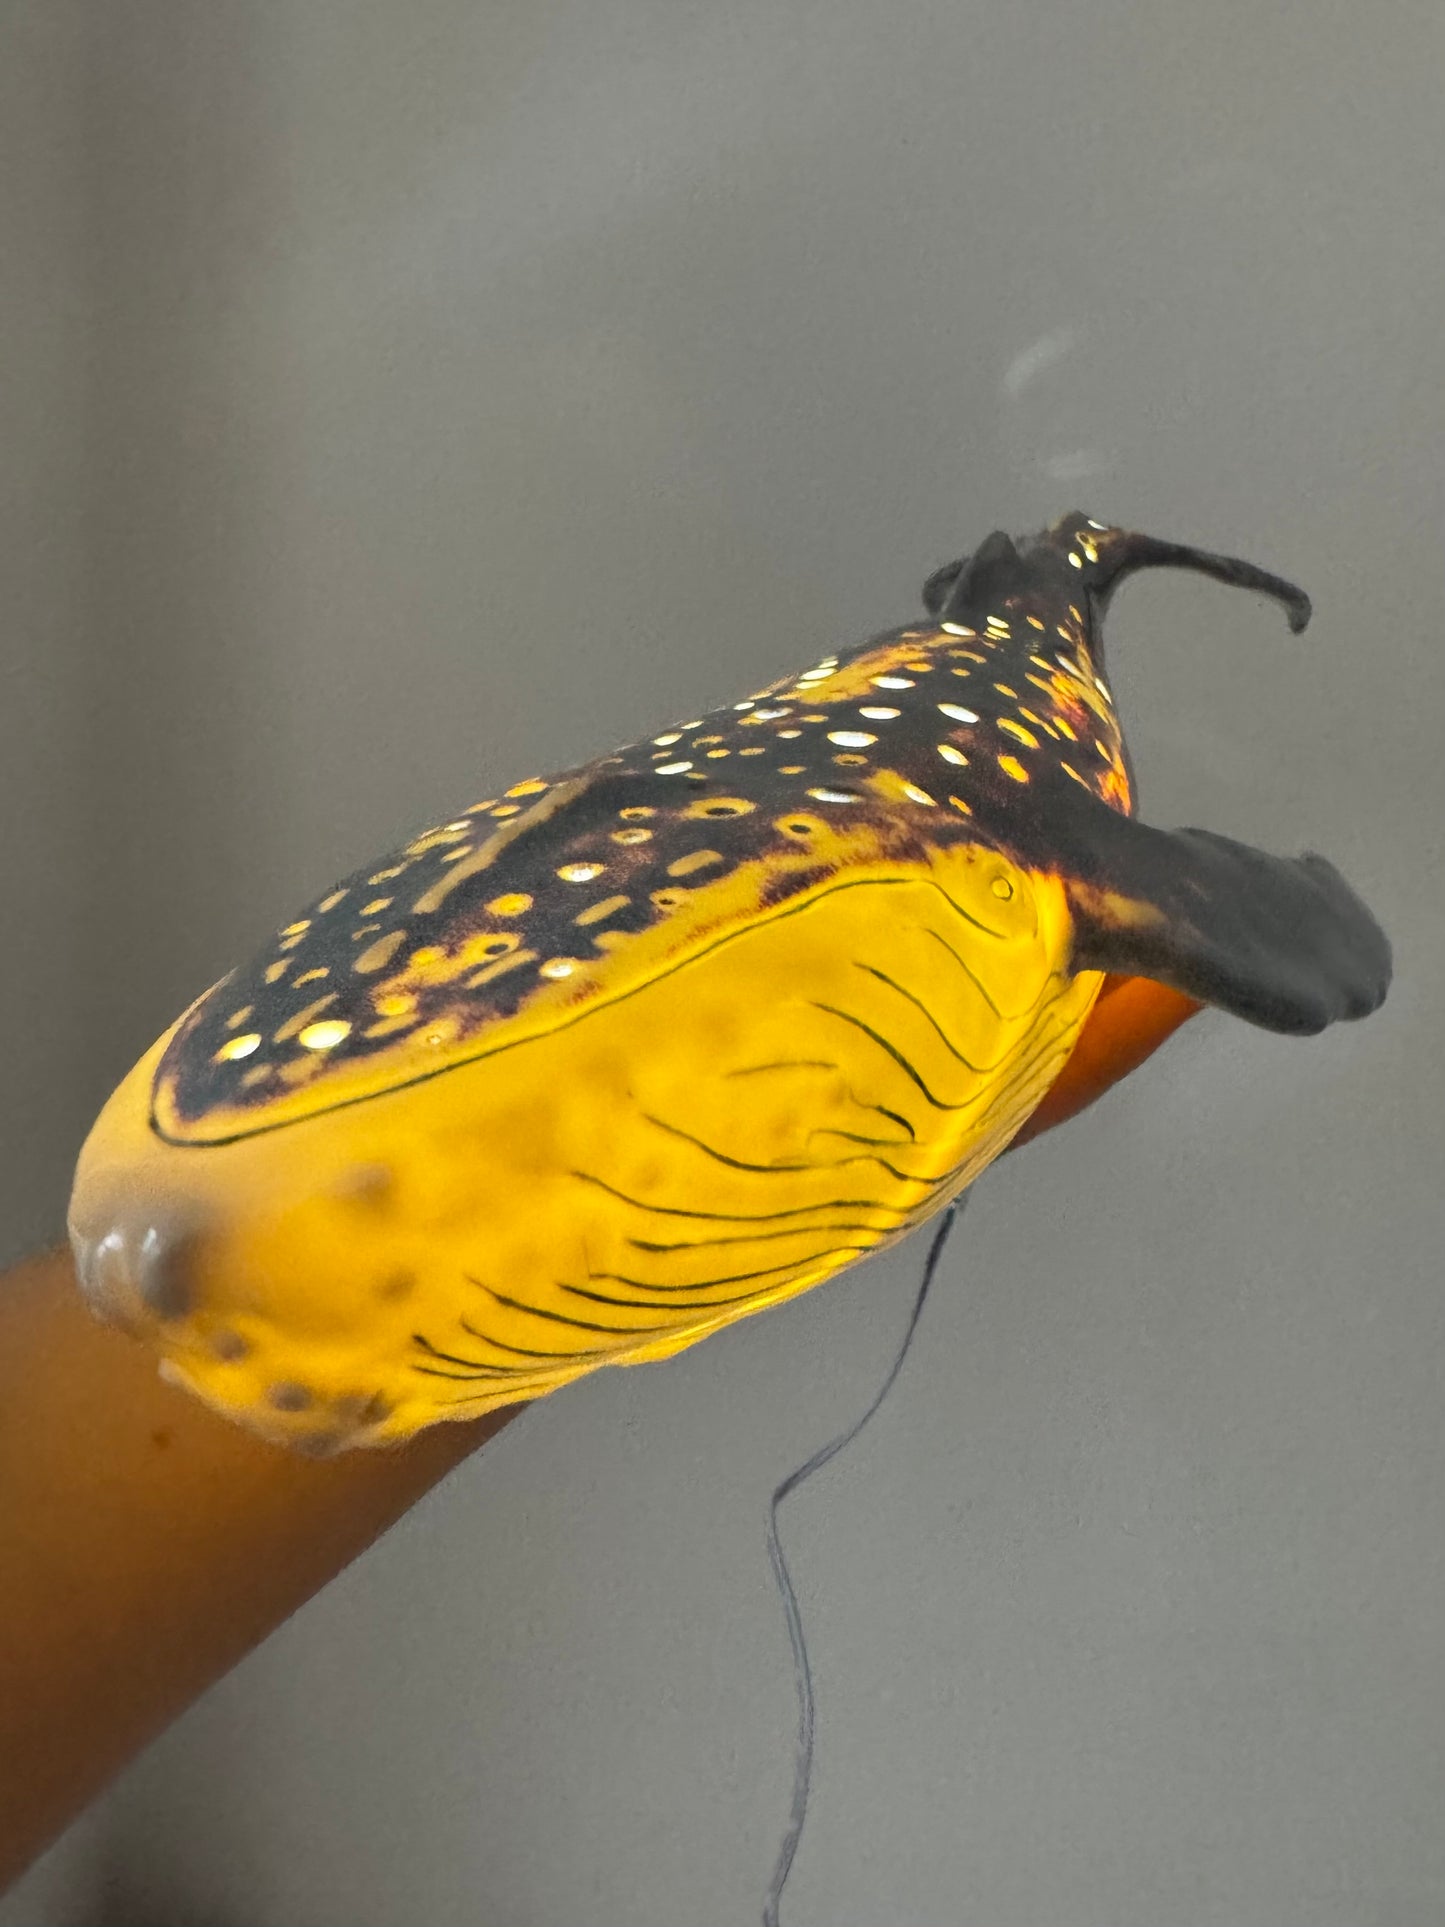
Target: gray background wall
[[402, 397]]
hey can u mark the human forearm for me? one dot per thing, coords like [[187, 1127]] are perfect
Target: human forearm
[[145, 1545]]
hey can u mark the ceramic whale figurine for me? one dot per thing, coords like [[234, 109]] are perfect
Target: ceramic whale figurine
[[623, 1054]]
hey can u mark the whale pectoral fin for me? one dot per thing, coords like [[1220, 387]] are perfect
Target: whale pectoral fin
[[1283, 942]]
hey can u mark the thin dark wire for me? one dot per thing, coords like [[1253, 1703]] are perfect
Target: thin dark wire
[[802, 1671]]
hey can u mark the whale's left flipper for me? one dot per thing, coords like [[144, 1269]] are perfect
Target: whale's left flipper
[[1283, 942]]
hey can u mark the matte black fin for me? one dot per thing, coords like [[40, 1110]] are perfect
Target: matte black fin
[[1122, 553], [994, 570], [1283, 942], [1000, 567]]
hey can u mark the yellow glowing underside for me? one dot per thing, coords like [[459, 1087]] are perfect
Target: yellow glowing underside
[[610, 1191]]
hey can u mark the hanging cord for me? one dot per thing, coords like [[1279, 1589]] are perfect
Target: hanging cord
[[802, 1671]]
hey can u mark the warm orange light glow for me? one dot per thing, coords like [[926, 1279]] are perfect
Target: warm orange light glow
[[325, 1035]]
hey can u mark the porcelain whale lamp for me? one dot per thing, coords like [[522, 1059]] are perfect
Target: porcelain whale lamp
[[624, 1054]]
